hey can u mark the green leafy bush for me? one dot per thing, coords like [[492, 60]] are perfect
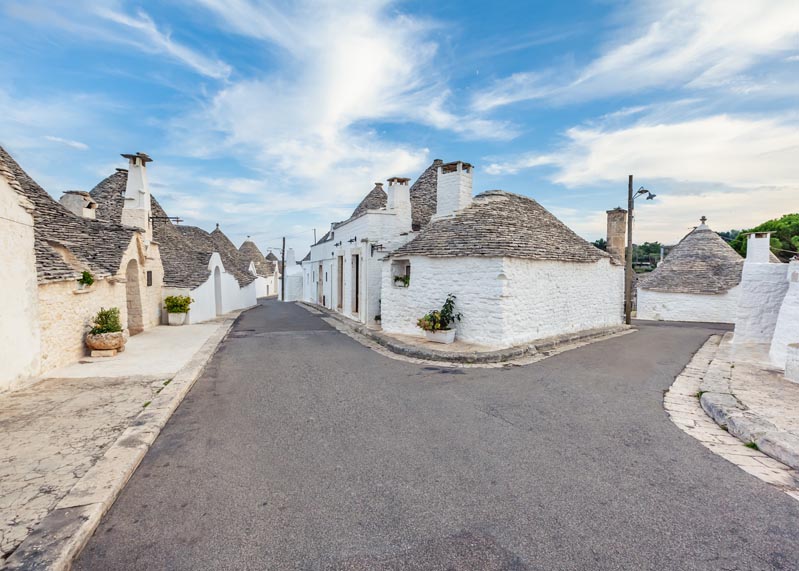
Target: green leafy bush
[[86, 278], [106, 321], [440, 319], [402, 281], [177, 303], [784, 237]]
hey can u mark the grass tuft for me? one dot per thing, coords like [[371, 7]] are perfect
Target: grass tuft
[[752, 445]]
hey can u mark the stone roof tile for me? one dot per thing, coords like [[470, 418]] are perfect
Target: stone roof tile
[[93, 245], [700, 263], [502, 224]]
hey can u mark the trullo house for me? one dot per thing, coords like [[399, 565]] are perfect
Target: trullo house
[[47, 247], [518, 272], [697, 281], [205, 266]]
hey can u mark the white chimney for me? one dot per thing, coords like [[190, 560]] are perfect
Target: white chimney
[[291, 261], [454, 188], [399, 202], [136, 210], [79, 203], [757, 248]]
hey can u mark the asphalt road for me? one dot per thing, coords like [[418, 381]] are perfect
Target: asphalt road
[[301, 449]]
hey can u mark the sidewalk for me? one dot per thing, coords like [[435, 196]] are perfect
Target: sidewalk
[[753, 401], [58, 433], [460, 352]]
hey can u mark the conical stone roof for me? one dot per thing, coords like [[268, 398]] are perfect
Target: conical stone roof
[[502, 224], [250, 251], [700, 263]]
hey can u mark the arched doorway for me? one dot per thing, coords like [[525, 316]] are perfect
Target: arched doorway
[[218, 290], [133, 295]]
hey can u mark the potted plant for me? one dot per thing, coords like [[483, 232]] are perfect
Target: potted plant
[[402, 281], [86, 279], [436, 324], [177, 306], [106, 333]]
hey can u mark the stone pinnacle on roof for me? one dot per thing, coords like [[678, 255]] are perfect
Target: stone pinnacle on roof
[[702, 263]]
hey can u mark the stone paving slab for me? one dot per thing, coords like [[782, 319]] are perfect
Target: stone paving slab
[[752, 400], [708, 368], [74, 442]]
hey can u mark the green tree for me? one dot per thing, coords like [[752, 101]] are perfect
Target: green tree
[[784, 236], [602, 244]]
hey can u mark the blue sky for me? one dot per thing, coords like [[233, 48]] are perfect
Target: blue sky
[[275, 118]]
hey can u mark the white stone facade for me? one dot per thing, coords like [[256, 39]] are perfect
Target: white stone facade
[[505, 301], [763, 287], [786, 330], [19, 332], [669, 306], [350, 253]]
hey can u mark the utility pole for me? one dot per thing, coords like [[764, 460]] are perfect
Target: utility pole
[[628, 269], [283, 271]]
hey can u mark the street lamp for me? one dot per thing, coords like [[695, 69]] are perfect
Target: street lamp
[[628, 270]]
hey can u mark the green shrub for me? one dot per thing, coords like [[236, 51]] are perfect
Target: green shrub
[[403, 281], [440, 319], [86, 278], [106, 321], [177, 303]]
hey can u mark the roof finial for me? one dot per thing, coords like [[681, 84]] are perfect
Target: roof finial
[[703, 219], [217, 225]]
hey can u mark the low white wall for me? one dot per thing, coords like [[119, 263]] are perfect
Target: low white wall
[[19, 318], [233, 296], [667, 306], [547, 298], [786, 331], [474, 282], [763, 288]]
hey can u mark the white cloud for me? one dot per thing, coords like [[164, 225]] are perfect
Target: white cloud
[[729, 150], [156, 41], [112, 22], [309, 123], [68, 142], [677, 43]]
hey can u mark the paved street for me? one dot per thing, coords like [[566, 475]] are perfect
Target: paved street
[[301, 449]]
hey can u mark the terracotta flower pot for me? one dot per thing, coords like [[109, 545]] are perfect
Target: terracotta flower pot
[[105, 341]]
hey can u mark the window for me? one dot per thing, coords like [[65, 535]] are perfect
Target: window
[[149, 278]]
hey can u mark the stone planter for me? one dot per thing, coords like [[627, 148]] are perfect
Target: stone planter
[[106, 344], [176, 318], [446, 336]]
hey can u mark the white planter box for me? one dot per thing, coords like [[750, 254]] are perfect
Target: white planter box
[[447, 336], [176, 318]]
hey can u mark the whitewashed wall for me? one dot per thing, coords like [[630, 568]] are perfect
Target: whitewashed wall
[[667, 306], [786, 330], [19, 312], [763, 288], [376, 227], [474, 282], [546, 298], [506, 301], [233, 296]]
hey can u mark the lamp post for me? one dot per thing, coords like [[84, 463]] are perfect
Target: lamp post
[[628, 270]]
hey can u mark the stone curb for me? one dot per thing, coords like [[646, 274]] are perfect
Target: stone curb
[[720, 404], [61, 535], [703, 419], [475, 357]]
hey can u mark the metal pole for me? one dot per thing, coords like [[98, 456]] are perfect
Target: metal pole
[[283, 272], [628, 270]]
